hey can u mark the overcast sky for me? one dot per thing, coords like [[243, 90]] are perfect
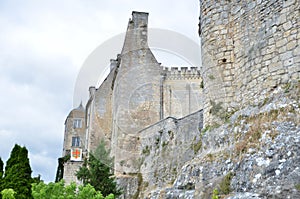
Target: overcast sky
[[43, 44]]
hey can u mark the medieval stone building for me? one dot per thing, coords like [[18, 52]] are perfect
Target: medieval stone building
[[152, 117], [137, 97]]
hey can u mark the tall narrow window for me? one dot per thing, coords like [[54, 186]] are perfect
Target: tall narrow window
[[77, 123], [76, 141]]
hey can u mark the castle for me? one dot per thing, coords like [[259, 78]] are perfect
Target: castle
[[151, 116], [138, 94]]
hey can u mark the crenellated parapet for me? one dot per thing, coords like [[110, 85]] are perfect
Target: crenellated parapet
[[181, 91], [181, 73]]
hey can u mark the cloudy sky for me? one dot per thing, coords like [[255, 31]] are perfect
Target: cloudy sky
[[43, 45]]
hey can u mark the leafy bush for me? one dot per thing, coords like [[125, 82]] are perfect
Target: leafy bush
[[215, 194], [58, 190]]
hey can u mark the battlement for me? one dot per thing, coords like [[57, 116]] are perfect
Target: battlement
[[177, 73]]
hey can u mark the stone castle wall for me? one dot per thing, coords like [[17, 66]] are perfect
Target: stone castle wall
[[182, 91], [249, 49], [165, 147], [161, 150], [99, 112]]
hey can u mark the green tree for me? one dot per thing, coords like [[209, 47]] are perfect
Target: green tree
[[17, 174], [60, 168], [1, 173], [8, 194], [1, 168], [97, 171], [58, 190]]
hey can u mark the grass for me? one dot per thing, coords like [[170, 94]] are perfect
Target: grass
[[211, 77], [146, 151], [202, 84], [216, 107], [140, 181], [297, 186], [223, 188], [261, 123], [157, 140], [171, 134], [209, 127], [225, 184], [210, 157], [197, 146], [164, 144]]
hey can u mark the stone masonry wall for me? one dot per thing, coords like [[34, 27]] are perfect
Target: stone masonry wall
[[70, 169], [99, 113], [136, 96], [163, 148], [182, 91], [250, 48]]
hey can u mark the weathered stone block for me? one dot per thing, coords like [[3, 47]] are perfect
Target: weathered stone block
[[281, 42], [292, 44], [288, 62], [286, 55]]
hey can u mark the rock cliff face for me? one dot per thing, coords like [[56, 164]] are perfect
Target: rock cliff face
[[255, 154]]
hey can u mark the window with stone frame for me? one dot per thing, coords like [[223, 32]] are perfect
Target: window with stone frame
[[77, 123], [76, 141]]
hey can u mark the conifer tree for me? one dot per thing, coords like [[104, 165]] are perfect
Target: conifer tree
[[96, 171], [17, 174], [1, 174], [1, 168]]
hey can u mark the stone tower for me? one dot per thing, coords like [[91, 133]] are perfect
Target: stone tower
[[74, 143], [250, 48], [136, 94]]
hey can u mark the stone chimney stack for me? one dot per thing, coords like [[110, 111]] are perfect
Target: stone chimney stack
[[92, 91], [113, 63], [137, 32]]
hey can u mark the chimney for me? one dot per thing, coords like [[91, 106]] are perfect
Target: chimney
[[92, 90], [137, 33], [113, 64]]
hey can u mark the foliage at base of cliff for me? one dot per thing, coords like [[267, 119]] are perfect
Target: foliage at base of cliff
[[59, 190], [96, 171]]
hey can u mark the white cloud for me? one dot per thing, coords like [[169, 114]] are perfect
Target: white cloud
[[42, 47]]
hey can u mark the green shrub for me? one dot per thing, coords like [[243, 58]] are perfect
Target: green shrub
[[225, 184], [146, 151], [215, 194], [197, 146]]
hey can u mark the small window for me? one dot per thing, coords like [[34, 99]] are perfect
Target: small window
[[77, 123], [76, 141]]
